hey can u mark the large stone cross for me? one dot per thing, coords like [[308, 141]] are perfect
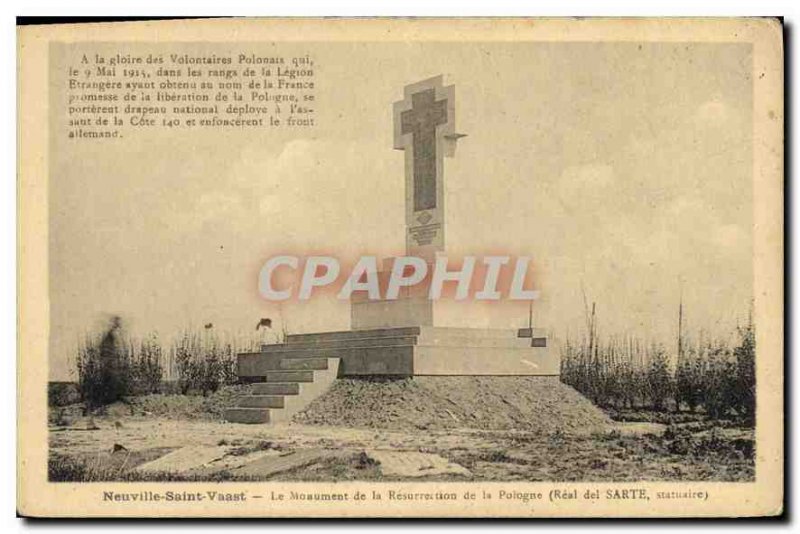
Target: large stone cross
[[420, 121], [424, 127]]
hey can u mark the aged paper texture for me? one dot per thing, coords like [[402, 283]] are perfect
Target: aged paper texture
[[401, 268]]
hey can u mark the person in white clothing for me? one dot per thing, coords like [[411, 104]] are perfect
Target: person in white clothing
[[268, 335]]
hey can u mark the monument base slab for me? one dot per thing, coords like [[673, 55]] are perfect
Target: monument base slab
[[418, 310], [410, 351]]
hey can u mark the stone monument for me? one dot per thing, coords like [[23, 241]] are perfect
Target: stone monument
[[411, 335]]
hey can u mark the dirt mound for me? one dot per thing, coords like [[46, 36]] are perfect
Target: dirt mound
[[172, 406], [537, 404]]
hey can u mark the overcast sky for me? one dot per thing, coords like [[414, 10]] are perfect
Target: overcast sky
[[621, 168]]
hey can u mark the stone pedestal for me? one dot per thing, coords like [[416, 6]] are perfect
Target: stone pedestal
[[412, 351], [413, 307]]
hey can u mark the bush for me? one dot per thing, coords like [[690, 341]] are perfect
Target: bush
[[147, 370], [62, 393], [659, 379], [104, 367], [620, 373], [111, 366], [718, 381], [745, 354], [204, 363], [707, 374], [689, 380]]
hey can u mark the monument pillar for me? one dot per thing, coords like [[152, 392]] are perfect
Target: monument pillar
[[424, 128]]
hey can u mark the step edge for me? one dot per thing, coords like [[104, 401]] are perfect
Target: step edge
[[341, 341], [326, 349], [388, 330]]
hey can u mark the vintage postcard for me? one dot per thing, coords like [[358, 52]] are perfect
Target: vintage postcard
[[401, 268]]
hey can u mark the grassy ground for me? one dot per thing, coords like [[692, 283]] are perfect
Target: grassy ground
[[677, 447]]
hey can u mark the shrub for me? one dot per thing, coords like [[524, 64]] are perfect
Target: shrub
[[745, 354], [111, 366], [707, 374], [62, 393], [147, 367], [104, 366], [659, 379], [689, 380], [204, 362]]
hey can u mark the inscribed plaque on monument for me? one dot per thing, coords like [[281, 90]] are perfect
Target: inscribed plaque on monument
[[401, 268]]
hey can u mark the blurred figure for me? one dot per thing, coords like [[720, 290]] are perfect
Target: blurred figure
[[268, 335]]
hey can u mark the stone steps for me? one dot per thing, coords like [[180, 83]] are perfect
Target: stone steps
[[304, 364], [285, 392], [310, 348], [463, 341], [323, 343], [355, 334], [276, 388], [290, 376], [265, 367], [247, 415], [377, 337], [262, 401], [404, 352], [278, 359], [286, 352]]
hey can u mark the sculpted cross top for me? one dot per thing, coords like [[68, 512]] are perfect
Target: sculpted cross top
[[424, 127], [420, 121]]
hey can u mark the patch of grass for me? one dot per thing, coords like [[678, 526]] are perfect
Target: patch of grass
[[340, 467], [499, 456], [75, 469], [679, 454], [260, 445], [634, 415], [100, 467], [210, 407]]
